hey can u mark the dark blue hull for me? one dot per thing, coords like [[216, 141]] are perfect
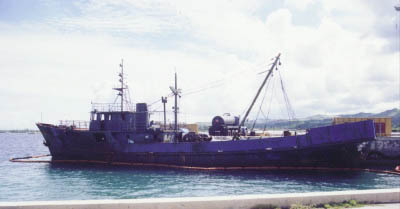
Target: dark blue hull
[[331, 146]]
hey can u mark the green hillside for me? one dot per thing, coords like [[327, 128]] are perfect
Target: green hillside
[[323, 120]]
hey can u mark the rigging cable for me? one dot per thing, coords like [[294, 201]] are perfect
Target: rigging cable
[[158, 100], [269, 106], [240, 72], [289, 108], [247, 107], [262, 102], [202, 89], [218, 82]]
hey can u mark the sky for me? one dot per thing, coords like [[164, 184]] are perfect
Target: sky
[[337, 57]]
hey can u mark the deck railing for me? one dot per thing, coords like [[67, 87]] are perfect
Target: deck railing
[[76, 124], [110, 107]]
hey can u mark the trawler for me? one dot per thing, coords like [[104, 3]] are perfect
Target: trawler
[[121, 134]]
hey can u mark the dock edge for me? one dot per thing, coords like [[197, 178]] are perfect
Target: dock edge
[[375, 196]]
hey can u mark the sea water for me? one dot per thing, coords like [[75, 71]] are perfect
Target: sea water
[[43, 181]]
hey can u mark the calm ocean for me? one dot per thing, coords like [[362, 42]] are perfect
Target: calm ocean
[[42, 181]]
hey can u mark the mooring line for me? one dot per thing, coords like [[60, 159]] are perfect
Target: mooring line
[[26, 160]]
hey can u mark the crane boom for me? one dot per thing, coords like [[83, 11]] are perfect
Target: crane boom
[[259, 90]]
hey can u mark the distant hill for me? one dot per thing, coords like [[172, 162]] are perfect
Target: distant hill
[[314, 121], [388, 113], [357, 115], [324, 120], [317, 117], [19, 131], [393, 113]]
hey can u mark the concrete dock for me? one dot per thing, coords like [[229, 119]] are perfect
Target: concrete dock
[[383, 206], [380, 196]]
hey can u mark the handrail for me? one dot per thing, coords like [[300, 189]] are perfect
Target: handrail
[[109, 107], [76, 124]]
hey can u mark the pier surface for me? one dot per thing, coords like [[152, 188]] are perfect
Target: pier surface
[[379, 196], [383, 206]]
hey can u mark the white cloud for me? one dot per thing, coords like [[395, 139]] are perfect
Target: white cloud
[[59, 65], [300, 5]]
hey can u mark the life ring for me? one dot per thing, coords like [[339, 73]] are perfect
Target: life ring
[[397, 169]]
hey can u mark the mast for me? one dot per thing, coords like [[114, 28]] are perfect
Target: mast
[[176, 93], [122, 84], [122, 87], [164, 100], [176, 104], [259, 90]]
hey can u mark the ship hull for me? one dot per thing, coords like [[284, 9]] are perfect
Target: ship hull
[[331, 146]]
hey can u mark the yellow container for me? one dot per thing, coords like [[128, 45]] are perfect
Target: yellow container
[[192, 127], [383, 126]]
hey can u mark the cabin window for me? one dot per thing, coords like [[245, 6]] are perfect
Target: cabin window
[[109, 117], [102, 116]]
